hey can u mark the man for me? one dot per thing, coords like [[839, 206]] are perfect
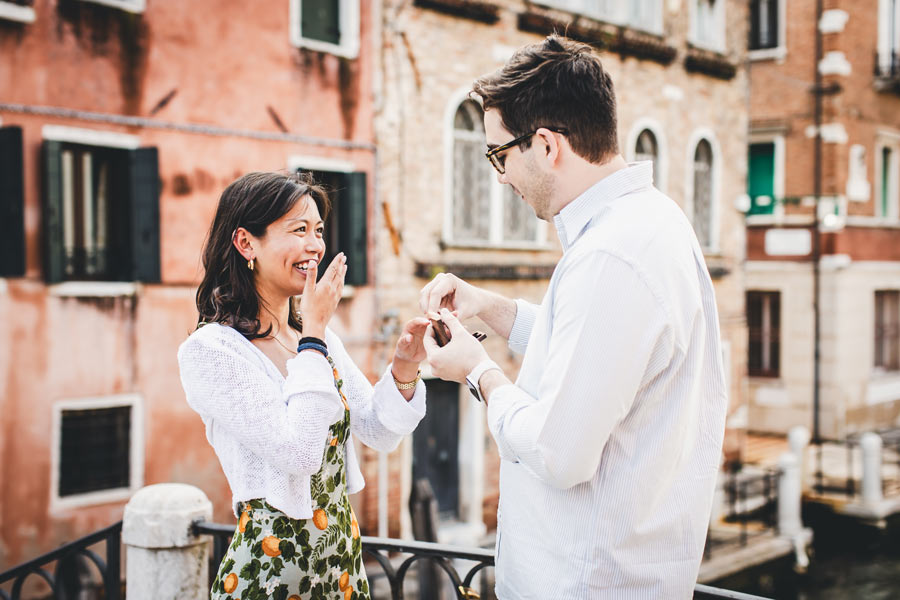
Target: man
[[611, 437]]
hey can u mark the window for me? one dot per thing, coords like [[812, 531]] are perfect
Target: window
[[484, 212], [17, 10], [764, 324], [98, 451], [12, 204], [889, 37], [887, 199], [765, 18], [761, 178], [346, 228], [646, 149], [703, 193], [887, 330], [101, 212], [708, 24], [326, 26]]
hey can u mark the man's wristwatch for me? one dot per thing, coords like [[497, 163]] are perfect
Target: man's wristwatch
[[476, 373]]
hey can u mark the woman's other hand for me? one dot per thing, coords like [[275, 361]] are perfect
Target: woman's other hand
[[320, 298]]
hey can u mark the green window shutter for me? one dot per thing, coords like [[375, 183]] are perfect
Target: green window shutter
[[12, 204], [352, 214], [320, 20], [143, 192], [885, 181], [761, 176], [54, 256]]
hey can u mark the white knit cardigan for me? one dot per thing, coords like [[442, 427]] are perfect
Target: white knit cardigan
[[270, 431]]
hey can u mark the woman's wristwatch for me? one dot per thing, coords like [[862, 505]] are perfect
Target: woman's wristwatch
[[408, 385]]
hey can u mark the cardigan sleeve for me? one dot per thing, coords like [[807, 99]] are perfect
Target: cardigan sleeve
[[285, 425], [379, 416]]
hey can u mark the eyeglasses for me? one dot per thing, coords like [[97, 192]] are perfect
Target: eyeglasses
[[498, 160]]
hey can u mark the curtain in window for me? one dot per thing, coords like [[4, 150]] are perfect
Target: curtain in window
[[703, 193], [471, 176]]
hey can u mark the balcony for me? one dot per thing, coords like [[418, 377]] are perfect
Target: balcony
[[887, 72]]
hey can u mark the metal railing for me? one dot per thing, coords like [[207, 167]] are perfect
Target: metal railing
[[751, 500], [380, 549], [887, 65], [66, 580]]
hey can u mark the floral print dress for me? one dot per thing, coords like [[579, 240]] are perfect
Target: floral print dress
[[274, 556]]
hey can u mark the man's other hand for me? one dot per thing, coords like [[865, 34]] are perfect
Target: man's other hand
[[449, 291], [455, 360]]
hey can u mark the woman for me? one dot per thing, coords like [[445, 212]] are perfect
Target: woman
[[280, 396]]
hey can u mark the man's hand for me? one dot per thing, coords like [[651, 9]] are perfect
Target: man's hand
[[455, 360], [449, 291]]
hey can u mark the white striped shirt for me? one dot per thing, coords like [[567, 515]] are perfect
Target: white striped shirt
[[611, 437]]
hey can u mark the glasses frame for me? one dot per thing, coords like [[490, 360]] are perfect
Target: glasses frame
[[493, 155]]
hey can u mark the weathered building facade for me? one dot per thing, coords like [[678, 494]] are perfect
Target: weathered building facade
[[856, 241], [678, 68], [121, 121]]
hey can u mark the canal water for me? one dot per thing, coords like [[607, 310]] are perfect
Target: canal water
[[848, 561]]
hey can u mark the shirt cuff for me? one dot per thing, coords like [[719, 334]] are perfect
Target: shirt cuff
[[526, 314], [394, 412]]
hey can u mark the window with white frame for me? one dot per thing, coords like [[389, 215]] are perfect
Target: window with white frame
[[330, 26], [646, 148], [889, 37], [887, 190], [887, 330], [766, 24], [708, 24], [98, 449], [703, 193], [764, 328], [484, 212]]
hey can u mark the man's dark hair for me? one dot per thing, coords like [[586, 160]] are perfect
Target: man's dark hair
[[558, 84]]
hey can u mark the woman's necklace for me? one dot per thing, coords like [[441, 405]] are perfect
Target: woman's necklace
[[285, 347]]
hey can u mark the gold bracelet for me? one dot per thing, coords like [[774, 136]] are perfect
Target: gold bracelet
[[410, 385]]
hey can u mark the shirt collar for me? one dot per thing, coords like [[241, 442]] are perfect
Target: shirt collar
[[572, 220]]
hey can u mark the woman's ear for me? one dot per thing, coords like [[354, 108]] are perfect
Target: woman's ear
[[241, 240]]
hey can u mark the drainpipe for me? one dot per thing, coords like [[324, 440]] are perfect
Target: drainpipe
[[816, 249]]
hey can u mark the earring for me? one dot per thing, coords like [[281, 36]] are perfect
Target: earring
[[250, 263]]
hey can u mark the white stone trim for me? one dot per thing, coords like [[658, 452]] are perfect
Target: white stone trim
[[319, 163], [705, 133], [776, 266], [90, 137], [832, 133], [835, 63], [833, 20], [879, 222], [93, 289], [15, 12], [779, 52], [455, 99], [886, 45], [132, 6], [349, 24], [883, 386], [136, 470], [656, 128]]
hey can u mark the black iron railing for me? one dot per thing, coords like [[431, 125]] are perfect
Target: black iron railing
[[442, 555], [65, 579], [887, 65], [751, 501]]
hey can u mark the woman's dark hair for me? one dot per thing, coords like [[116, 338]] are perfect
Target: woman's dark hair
[[227, 294], [558, 84]]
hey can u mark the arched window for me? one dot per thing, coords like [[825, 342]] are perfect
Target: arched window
[[703, 192], [483, 210], [646, 148], [471, 176]]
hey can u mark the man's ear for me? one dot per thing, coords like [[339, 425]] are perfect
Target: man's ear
[[241, 240], [548, 144]]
